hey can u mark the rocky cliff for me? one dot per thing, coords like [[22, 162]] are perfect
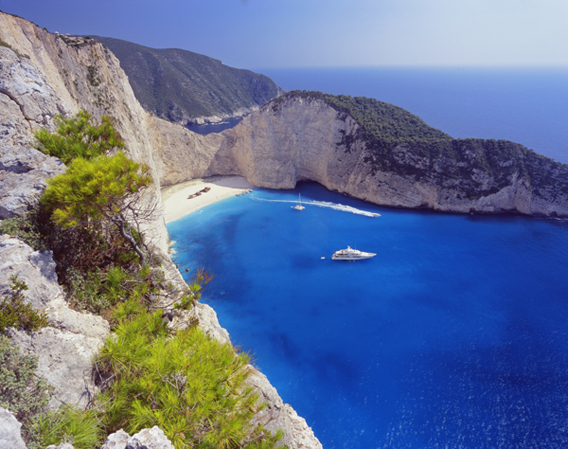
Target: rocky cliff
[[42, 75], [394, 160]]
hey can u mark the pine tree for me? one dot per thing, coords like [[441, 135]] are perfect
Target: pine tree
[[98, 192], [79, 137]]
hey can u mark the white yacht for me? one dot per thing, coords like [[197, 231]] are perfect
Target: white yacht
[[299, 205], [351, 254]]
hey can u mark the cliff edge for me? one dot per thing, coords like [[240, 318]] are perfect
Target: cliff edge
[[42, 75]]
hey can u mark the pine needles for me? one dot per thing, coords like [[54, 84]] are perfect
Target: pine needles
[[186, 383]]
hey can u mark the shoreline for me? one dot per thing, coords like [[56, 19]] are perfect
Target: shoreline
[[177, 204]]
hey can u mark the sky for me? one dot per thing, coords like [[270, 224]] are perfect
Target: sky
[[324, 33]]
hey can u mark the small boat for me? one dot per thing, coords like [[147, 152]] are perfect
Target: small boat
[[299, 205], [351, 254]]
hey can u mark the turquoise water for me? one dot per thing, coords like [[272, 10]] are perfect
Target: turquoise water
[[454, 335]]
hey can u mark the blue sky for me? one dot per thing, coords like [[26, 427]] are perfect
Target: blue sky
[[306, 33]]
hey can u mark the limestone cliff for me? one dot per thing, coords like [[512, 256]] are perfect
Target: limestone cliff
[[300, 136], [41, 75]]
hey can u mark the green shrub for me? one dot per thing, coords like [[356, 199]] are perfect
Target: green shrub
[[83, 291], [79, 136], [95, 208], [16, 312], [100, 195], [189, 385], [80, 428], [21, 391], [27, 228]]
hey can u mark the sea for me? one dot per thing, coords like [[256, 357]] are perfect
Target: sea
[[455, 335]]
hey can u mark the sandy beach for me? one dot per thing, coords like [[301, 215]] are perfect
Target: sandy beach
[[181, 199]]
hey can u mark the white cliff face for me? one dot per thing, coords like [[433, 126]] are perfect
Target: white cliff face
[[66, 349], [301, 139], [43, 75], [278, 147]]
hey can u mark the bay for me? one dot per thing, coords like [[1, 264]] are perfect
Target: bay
[[454, 335]]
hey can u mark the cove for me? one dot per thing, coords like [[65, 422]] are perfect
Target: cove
[[454, 335]]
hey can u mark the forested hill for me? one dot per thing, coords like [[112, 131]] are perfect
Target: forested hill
[[186, 87], [378, 120]]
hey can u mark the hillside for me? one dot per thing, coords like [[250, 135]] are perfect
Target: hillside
[[379, 121], [186, 87]]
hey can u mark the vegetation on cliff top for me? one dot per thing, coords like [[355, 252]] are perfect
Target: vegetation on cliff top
[[188, 384], [378, 120], [400, 142], [178, 84]]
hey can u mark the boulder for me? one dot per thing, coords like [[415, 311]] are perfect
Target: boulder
[[10, 437], [117, 440], [35, 268], [23, 178], [153, 438]]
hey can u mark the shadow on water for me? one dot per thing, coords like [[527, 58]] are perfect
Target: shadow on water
[[215, 127]]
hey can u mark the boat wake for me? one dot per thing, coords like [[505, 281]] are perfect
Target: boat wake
[[326, 204]]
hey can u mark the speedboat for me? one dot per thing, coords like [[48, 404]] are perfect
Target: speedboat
[[351, 254], [299, 205]]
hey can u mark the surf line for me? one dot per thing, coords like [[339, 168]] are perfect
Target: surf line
[[326, 204]]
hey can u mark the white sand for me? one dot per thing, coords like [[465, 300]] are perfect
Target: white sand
[[177, 204]]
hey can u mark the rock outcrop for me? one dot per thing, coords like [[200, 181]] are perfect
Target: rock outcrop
[[10, 437], [23, 175], [152, 438], [42, 75], [65, 351]]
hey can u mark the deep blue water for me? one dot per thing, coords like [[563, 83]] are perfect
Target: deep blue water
[[455, 335]]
